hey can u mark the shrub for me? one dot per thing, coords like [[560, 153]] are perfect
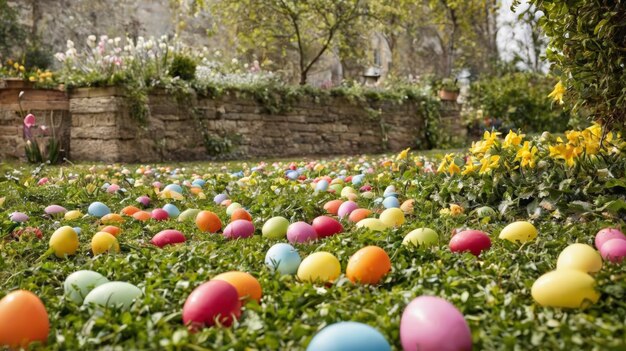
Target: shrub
[[183, 66]]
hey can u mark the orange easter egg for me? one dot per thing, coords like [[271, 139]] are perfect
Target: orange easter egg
[[129, 210], [111, 229], [23, 318], [247, 286], [359, 214], [208, 221], [226, 202], [332, 206], [142, 216], [240, 213], [368, 265], [112, 218]]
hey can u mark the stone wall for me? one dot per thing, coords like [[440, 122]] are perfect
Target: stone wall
[[50, 108]]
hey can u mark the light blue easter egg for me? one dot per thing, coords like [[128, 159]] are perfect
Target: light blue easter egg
[[198, 182], [322, 185], [293, 175], [174, 187], [78, 284], [77, 230], [391, 202], [284, 258], [348, 336], [98, 209], [358, 179], [171, 210], [219, 198]]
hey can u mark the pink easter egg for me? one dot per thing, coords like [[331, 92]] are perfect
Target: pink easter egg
[[144, 200], [326, 226], [113, 188], [614, 250], [213, 302], [159, 214], [54, 209], [301, 232], [431, 323], [473, 241], [239, 228], [346, 208], [607, 234], [43, 181], [168, 237]]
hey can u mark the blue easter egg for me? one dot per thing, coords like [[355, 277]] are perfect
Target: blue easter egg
[[284, 258], [198, 182], [301, 170], [77, 230], [293, 175], [105, 186], [171, 210], [98, 209], [322, 185], [219, 198], [358, 179], [391, 202], [348, 336], [174, 187]]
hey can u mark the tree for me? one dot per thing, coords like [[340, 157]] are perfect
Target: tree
[[11, 33], [307, 27], [588, 50]]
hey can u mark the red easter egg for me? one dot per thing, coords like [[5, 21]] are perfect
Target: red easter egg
[[160, 214], [473, 241], [168, 237], [325, 226], [213, 302], [239, 229], [333, 206], [28, 231]]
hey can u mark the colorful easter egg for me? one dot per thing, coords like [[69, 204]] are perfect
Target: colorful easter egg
[[348, 336], [27, 232], [283, 258], [614, 250], [188, 214], [431, 323], [78, 284], [408, 206], [473, 241], [359, 214], [368, 265], [248, 287], [374, 224], [319, 267], [18, 217], [172, 210], [168, 237], [24, 319], [391, 202], [421, 237], [208, 221], [144, 200], [72, 215], [112, 218], [240, 213], [519, 232], [64, 241], [275, 228], [142, 216], [566, 288], [219, 198], [113, 230], [326, 226], [580, 257], [232, 207], [332, 206], [346, 207], [239, 229], [322, 185], [113, 294], [55, 210], [607, 234], [392, 217], [104, 242], [215, 301], [159, 214], [174, 187], [129, 210], [301, 232], [98, 209]]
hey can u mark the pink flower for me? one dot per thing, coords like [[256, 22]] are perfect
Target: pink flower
[[29, 120]]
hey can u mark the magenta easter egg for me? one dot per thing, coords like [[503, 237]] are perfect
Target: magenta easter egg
[[607, 234], [614, 250], [239, 229], [301, 232], [326, 226], [159, 214], [213, 302], [168, 237], [346, 208], [473, 241], [431, 323]]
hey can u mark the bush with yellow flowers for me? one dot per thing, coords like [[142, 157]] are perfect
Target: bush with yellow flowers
[[39, 78]]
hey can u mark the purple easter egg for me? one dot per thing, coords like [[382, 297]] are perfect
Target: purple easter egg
[[431, 323], [18, 217], [239, 229], [168, 237], [346, 208], [144, 200], [219, 198], [614, 250], [301, 232], [54, 209]]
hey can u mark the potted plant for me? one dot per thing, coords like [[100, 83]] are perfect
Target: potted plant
[[449, 90]]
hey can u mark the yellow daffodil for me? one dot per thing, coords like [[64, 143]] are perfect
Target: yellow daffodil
[[558, 92], [566, 152], [470, 167], [456, 210], [526, 155], [488, 163], [513, 139], [442, 167], [403, 154], [491, 137], [453, 169]]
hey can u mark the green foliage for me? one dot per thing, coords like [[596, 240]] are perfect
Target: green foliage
[[587, 40], [519, 100], [11, 32], [35, 155], [183, 66]]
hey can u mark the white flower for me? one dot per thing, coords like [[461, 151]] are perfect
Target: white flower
[[70, 44], [234, 61], [60, 56], [117, 41], [162, 46], [110, 41], [149, 44], [91, 38], [104, 37]]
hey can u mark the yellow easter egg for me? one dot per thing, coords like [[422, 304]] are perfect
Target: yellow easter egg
[[421, 237], [104, 242], [112, 218], [64, 241], [348, 190], [566, 288], [519, 231], [71, 215], [392, 217], [374, 224], [321, 267], [579, 257]]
